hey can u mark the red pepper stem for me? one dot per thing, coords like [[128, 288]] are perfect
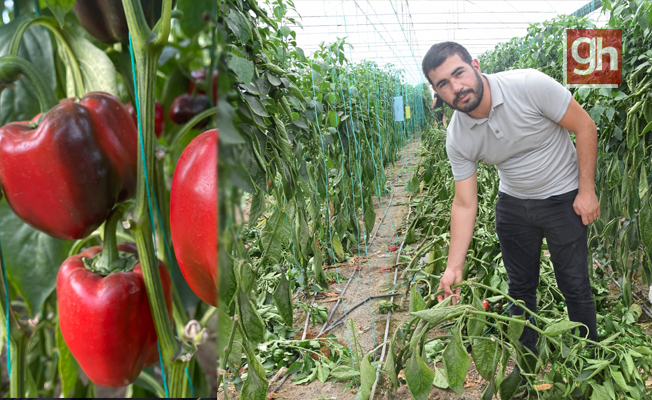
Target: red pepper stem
[[110, 261], [12, 67]]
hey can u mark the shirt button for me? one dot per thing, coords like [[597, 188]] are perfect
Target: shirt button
[[497, 131]]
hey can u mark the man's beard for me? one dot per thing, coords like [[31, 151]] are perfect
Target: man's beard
[[473, 102]]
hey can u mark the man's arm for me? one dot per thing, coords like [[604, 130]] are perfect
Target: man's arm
[[463, 213], [579, 122]]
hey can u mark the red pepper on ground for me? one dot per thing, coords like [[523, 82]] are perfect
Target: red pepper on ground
[[104, 312], [392, 248], [64, 176], [159, 117], [193, 215]]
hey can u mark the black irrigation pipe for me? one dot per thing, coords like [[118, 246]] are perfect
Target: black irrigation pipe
[[340, 320], [330, 315]]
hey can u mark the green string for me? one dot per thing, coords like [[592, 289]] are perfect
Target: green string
[[4, 281], [149, 198]]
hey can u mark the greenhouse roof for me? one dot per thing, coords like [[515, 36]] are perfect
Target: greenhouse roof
[[400, 32]]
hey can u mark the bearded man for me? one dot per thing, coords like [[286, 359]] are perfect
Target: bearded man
[[520, 120]]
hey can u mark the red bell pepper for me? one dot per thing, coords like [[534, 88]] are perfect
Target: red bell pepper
[[186, 106], [105, 20], [193, 215], [64, 176], [159, 117], [104, 314], [198, 76]]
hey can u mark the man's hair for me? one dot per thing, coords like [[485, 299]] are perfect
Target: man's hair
[[439, 52]]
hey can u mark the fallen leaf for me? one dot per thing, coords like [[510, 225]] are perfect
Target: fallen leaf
[[541, 387]]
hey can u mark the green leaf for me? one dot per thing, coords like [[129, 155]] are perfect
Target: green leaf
[[32, 258], [515, 328], [21, 103], [333, 118], [97, 70], [283, 299], [620, 95], [257, 208], [456, 362], [509, 385], [596, 112], [610, 113], [243, 68], [67, 365], [285, 31], [643, 186], [413, 185], [251, 321], [560, 327], [274, 80], [256, 105], [632, 138], [437, 315], [193, 15], [343, 372], [485, 357], [619, 379], [390, 365], [239, 26], [416, 301], [591, 371], [60, 8], [647, 128], [255, 386], [317, 263], [228, 133], [367, 378], [476, 325], [275, 234], [599, 392], [419, 377], [322, 372], [440, 379], [337, 247]]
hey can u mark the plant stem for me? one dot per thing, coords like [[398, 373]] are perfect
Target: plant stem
[[11, 67], [18, 368], [51, 24], [146, 54], [109, 260], [227, 352]]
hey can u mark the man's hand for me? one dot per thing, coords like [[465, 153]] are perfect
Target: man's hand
[[450, 277], [587, 206]]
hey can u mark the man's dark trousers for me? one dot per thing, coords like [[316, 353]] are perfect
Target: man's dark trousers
[[521, 226]]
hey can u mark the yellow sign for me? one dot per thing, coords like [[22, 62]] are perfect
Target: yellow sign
[[407, 112]]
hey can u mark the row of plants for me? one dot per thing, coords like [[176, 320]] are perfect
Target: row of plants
[[479, 326], [305, 142]]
